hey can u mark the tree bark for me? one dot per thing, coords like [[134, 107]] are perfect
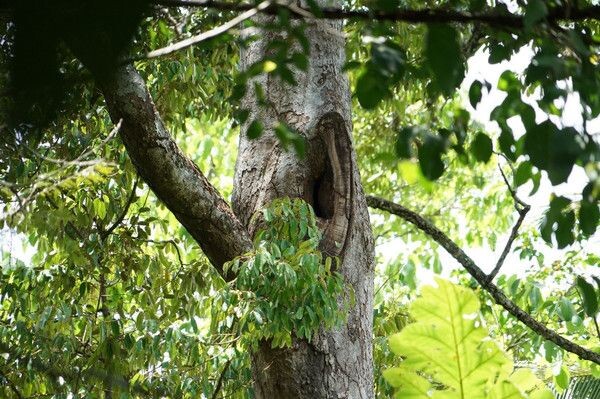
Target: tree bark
[[173, 177], [336, 364]]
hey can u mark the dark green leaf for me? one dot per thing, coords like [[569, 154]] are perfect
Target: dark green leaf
[[370, 89], [589, 216], [444, 58], [553, 150], [522, 174], [536, 10], [254, 130], [481, 147], [498, 53], [475, 93], [430, 157], [404, 142], [588, 296], [389, 60]]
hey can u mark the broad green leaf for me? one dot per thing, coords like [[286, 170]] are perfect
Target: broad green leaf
[[562, 378], [475, 93], [430, 157], [589, 216], [522, 174], [412, 384], [449, 344], [588, 295], [482, 147], [444, 58], [535, 11], [565, 309], [370, 88], [254, 130], [389, 60]]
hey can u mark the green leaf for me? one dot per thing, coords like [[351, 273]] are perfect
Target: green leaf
[[508, 82], [559, 222], [404, 140], [562, 379], [412, 385], [370, 88], [254, 130], [588, 296], [522, 174], [589, 216], [565, 309], [553, 150], [288, 137], [449, 344], [389, 59], [430, 157], [536, 10], [444, 57], [482, 147], [475, 93]]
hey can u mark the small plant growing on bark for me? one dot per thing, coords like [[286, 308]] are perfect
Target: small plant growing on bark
[[285, 287]]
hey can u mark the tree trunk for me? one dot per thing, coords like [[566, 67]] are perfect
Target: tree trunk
[[335, 364]]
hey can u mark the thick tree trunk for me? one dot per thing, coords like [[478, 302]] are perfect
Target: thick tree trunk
[[336, 364]]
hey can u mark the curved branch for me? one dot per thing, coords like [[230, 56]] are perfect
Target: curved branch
[[173, 177], [501, 299]]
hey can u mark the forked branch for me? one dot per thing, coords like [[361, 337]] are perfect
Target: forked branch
[[475, 271], [522, 209]]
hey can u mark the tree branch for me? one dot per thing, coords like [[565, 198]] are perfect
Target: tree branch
[[425, 15], [173, 177], [119, 220], [219, 384], [204, 35], [11, 385], [522, 208], [474, 270]]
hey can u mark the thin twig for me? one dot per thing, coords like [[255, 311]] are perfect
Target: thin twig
[[475, 271], [522, 210], [120, 218], [204, 35], [220, 380], [12, 385]]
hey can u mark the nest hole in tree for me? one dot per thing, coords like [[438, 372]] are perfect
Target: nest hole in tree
[[323, 194]]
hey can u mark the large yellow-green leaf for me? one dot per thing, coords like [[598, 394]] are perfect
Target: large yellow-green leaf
[[414, 386], [449, 345]]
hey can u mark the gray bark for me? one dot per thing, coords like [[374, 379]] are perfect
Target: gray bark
[[173, 177], [336, 364]]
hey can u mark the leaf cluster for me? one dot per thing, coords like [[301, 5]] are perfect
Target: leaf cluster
[[286, 287]]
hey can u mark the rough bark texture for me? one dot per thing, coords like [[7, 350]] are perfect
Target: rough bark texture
[[173, 177], [336, 364]]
